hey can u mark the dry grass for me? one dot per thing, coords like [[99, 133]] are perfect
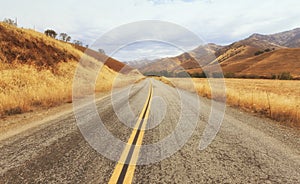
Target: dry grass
[[279, 100], [25, 46], [25, 88], [37, 71]]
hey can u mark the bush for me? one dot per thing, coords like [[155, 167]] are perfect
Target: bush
[[10, 22], [285, 76], [282, 76], [198, 75], [251, 76], [267, 50], [217, 75], [258, 53], [274, 76], [229, 75], [263, 51], [51, 33]]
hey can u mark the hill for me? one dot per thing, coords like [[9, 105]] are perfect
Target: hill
[[267, 64], [108, 61], [37, 71], [21, 46], [242, 58], [289, 39], [204, 54]]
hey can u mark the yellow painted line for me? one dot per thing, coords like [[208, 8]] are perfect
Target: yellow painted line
[[131, 168], [121, 163]]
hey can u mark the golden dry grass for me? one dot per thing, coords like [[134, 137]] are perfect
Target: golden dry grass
[[37, 71], [25, 88], [277, 99]]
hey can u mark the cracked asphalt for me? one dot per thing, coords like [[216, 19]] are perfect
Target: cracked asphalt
[[247, 148]]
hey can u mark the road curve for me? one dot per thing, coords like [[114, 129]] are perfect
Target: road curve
[[247, 149]]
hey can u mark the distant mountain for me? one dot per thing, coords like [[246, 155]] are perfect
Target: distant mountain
[[258, 44], [289, 39], [267, 64], [188, 60], [237, 57]]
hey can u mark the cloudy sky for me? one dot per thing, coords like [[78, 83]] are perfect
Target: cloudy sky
[[217, 21]]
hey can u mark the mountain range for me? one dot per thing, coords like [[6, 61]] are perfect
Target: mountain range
[[256, 56]]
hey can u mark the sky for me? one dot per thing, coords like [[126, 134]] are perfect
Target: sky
[[214, 21]]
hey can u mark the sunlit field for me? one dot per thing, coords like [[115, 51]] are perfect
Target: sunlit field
[[25, 88], [37, 71], [277, 99]]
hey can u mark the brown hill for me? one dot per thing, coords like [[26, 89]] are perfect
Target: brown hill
[[17, 46], [289, 39], [188, 60], [108, 61], [244, 49], [247, 57], [267, 64], [20, 46], [37, 71], [257, 44], [211, 53]]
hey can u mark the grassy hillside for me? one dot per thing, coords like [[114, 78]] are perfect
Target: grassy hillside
[[37, 71], [108, 61], [258, 56], [266, 97], [21, 46], [267, 64]]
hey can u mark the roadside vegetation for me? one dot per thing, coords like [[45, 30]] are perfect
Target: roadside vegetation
[[184, 74], [276, 99], [36, 71]]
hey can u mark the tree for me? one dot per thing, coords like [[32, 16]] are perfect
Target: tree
[[64, 37], [267, 50], [217, 75], [258, 53], [51, 33], [68, 38], [10, 22], [101, 51], [77, 42], [198, 75], [285, 76]]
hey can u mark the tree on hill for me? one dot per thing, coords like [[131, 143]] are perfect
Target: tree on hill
[[77, 42], [51, 33], [101, 51], [64, 37], [10, 22]]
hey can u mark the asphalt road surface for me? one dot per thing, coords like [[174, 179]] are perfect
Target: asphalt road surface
[[247, 148]]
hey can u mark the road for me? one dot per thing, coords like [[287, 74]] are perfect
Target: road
[[247, 148]]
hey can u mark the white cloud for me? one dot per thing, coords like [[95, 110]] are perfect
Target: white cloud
[[219, 21], [146, 50]]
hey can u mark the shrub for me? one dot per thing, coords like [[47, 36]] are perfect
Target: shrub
[[217, 75], [10, 22], [198, 75], [267, 50], [285, 76], [51, 33], [258, 53], [230, 75]]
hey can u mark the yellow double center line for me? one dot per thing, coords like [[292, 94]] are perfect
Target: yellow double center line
[[124, 172]]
